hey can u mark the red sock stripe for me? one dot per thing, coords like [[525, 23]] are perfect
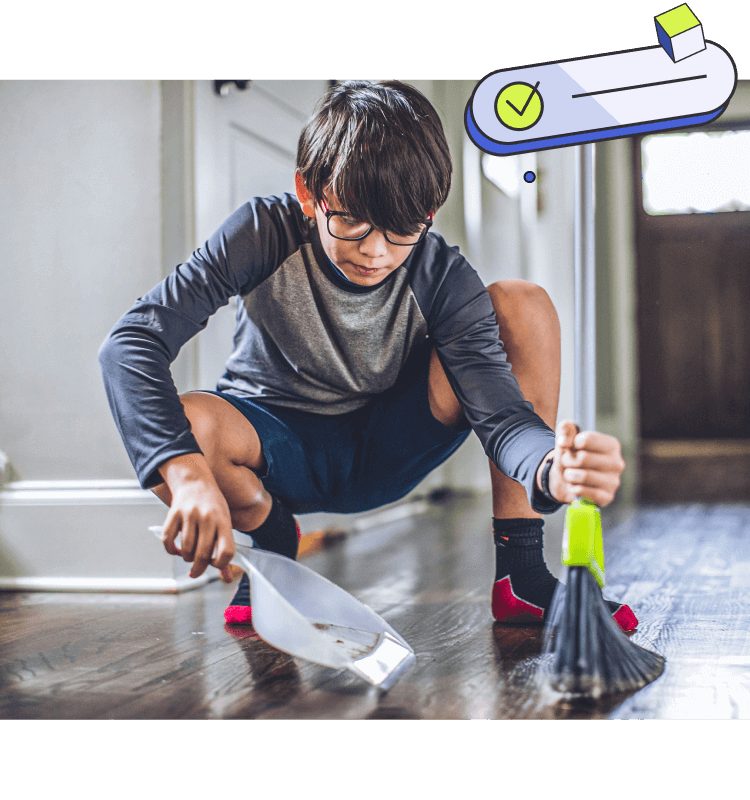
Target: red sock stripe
[[625, 618], [239, 615], [506, 607]]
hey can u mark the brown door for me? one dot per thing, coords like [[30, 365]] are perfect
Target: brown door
[[693, 284]]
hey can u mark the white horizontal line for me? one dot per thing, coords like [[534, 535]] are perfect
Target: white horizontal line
[[144, 585], [85, 484], [33, 493]]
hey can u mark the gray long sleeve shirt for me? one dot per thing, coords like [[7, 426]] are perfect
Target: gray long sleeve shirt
[[306, 338]]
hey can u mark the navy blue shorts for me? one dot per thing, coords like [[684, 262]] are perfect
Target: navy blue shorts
[[355, 461]]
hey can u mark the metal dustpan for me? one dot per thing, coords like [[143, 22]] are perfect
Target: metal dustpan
[[306, 615]]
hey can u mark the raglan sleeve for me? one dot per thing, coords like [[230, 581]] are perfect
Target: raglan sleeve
[[135, 357], [462, 322]]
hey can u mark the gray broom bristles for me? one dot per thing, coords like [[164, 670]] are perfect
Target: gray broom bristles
[[586, 652]]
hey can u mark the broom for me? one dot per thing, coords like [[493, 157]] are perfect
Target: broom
[[588, 655]]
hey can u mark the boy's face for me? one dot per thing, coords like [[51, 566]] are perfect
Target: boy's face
[[366, 261]]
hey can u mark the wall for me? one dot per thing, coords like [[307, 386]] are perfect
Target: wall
[[80, 233], [81, 236]]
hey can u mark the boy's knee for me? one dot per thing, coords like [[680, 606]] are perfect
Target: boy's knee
[[232, 450], [520, 294], [518, 300]]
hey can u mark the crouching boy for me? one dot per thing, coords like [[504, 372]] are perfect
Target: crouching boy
[[366, 350]]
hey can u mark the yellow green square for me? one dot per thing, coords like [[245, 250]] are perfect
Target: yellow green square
[[677, 20]]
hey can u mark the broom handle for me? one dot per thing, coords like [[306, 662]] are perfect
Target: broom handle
[[582, 540], [585, 290]]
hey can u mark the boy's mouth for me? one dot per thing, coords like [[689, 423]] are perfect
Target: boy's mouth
[[365, 270]]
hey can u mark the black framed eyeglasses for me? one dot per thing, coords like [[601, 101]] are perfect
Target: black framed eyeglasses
[[342, 226]]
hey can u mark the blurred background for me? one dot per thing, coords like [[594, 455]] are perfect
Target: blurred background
[[105, 186]]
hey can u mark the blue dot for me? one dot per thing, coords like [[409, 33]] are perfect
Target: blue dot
[[529, 177]]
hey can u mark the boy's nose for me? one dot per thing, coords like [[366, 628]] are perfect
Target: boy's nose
[[374, 244]]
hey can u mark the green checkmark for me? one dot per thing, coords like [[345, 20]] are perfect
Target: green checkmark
[[519, 105]]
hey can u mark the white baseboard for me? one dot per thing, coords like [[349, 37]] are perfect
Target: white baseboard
[[110, 585], [85, 536], [92, 536]]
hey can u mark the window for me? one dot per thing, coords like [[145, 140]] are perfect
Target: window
[[696, 173]]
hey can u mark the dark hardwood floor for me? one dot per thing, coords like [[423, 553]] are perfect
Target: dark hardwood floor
[[684, 569]]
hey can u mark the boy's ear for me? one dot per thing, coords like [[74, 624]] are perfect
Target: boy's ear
[[304, 196]]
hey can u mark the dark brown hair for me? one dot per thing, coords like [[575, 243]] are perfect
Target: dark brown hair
[[379, 148]]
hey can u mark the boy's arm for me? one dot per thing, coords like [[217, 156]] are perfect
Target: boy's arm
[[136, 356], [462, 321], [136, 359]]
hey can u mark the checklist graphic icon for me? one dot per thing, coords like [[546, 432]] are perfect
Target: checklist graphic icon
[[680, 82]]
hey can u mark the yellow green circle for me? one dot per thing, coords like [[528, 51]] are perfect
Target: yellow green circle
[[519, 106]]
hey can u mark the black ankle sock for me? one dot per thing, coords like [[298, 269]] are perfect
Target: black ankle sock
[[518, 553], [278, 533]]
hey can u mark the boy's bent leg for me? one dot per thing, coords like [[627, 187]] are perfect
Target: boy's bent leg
[[234, 454], [530, 331]]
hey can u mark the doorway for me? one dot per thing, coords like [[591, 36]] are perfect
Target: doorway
[[692, 198]]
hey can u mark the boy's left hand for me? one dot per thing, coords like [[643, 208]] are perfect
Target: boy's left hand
[[586, 464]]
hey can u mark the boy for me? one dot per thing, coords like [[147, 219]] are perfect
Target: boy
[[365, 352]]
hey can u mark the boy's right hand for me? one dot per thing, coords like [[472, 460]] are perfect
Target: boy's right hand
[[199, 513], [586, 464]]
